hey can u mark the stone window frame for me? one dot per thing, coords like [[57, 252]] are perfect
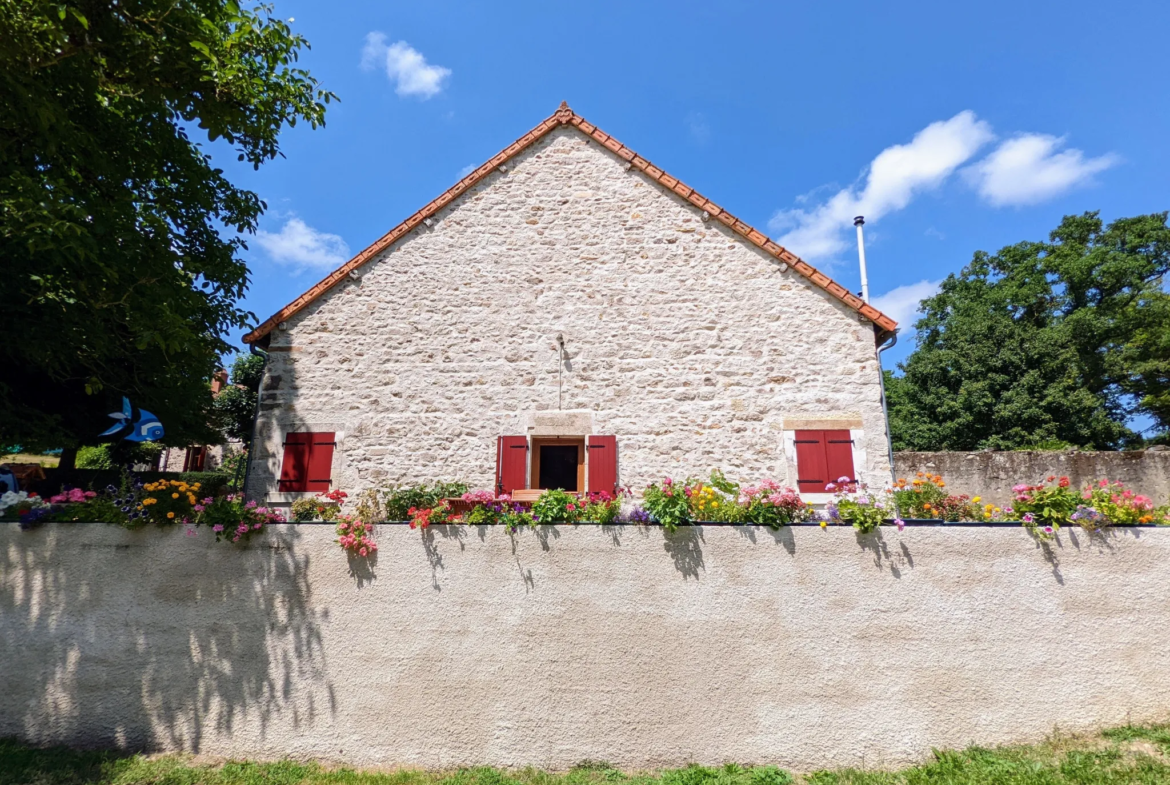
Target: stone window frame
[[852, 423], [311, 426]]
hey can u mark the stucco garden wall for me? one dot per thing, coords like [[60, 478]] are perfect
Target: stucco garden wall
[[690, 346], [802, 647]]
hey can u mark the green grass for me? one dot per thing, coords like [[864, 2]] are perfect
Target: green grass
[[1121, 755]]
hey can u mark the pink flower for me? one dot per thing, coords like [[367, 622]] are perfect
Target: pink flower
[[901, 524], [1029, 518], [190, 532], [242, 528], [830, 487], [198, 508], [217, 527], [236, 538], [572, 507], [58, 499], [249, 505], [1048, 530], [844, 479], [90, 494], [257, 525], [668, 481], [207, 500], [363, 552], [1019, 488]]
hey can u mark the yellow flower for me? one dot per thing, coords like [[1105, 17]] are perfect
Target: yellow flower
[[174, 495], [196, 486], [170, 515], [714, 504], [824, 524], [191, 499], [150, 501], [977, 499]]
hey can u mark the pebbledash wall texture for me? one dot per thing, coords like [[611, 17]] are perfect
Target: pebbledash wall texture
[[689, 344], [463, 646]]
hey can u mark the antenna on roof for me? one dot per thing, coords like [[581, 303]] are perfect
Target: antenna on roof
[[859, 222]]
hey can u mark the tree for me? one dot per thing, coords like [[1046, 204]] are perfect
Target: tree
[[120, 238], [235, 406], [1057, 342]]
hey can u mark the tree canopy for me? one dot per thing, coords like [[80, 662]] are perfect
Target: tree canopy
[[235, 406], [120, 237], [1043, 343]]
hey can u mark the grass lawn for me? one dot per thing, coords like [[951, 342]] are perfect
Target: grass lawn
[[47, 461], [1121, 755]]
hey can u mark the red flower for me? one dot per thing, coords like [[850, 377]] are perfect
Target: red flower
[[1051, 477], [1064, 482]]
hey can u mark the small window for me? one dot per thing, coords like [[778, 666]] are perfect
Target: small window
[[308, 463], [823, 458]]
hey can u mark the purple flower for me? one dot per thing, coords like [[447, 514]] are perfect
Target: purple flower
[[901, 524], [198, 508], [863, 500], [1048, 530], [844, 479], [830, 487], [1029, 518], [217, 527]]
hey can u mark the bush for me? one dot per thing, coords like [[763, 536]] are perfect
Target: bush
[[398, 501]]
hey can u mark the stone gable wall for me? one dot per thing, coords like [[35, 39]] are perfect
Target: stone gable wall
[[687, 344]]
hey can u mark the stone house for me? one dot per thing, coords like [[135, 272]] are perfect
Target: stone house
[[569, 315]]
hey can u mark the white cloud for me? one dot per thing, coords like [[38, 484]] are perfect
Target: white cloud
[[894, 177], [467, 170], [299, 245], [1029, 169], [901, 304], [404, 65], [697, 124]]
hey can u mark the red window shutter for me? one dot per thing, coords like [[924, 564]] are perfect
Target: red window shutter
[[601, 463], [812, 468], [320, 474], [294, 469], [839, 455], [511, 463]]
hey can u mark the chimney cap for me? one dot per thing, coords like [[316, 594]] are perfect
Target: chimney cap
[[859, 220]]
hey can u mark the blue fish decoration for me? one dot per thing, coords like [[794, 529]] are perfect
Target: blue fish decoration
[[146, 428]]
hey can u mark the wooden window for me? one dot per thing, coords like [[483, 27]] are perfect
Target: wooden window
[[308, 462], [602, 460], [511, 463], [822, 458], [558, 463]]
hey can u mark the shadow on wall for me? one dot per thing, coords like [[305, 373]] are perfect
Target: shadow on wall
[[89, 669]]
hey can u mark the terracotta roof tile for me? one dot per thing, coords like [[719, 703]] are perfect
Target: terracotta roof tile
[[565, 116]]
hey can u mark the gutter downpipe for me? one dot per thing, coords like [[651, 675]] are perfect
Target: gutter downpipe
[[256, 415], [889, 344]]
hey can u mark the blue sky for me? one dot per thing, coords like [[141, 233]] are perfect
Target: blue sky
[[953, 128]]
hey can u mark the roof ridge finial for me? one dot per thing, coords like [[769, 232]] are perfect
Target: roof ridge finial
[[564, 105]]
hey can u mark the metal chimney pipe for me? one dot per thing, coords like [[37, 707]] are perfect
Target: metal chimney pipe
[[859, 222]]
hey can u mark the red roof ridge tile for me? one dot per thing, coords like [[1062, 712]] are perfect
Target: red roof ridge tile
[[566, 116]]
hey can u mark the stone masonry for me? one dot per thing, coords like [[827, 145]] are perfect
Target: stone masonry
[[688, 344]]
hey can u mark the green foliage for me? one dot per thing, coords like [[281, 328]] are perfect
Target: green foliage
[[248, 371], [304, 510], [115, 455], [1110, 759], [1042, 343], [1045, 507], [397, 501], [555, 506], [94, 457], [234, 412], [117, 276], [234, 409], [667, 504]]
